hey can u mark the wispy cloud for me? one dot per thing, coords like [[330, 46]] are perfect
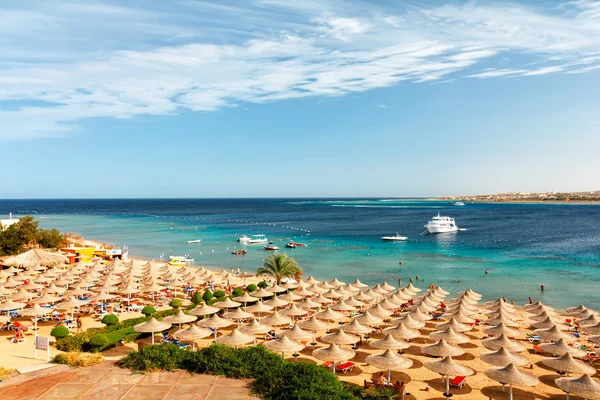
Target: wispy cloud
[[380, 106], [204, 56]]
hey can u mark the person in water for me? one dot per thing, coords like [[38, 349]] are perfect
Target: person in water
[[530, 300], [542, 287]]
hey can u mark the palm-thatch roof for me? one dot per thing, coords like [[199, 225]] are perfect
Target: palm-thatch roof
[[35, 257]]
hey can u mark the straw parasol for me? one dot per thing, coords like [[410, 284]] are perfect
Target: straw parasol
[[294, 311], [450, 336], [214, 322], [442, 349], [342, 306], [260, 293], [541, 316], [512, 376], [356, 328], [502, 329], [591, 329], [204, 310], [35, 257], [71, 304], [101, 296], [22, 295], [238, 314], [277, 302], [412, 288], [362, 296], [322, 300], [553, 333], [369, 319], [235, 338], [455, 325], [259, 308], [502, 319], [584, 386], [387, 286], [255, 328], [290, 296], [503, 341], [594, 339], [313, 324], [307, 304], [566, 363], [591, 320], [379, 311], [276, 289], [421, 316], [409, 322], [245, 298], [35, 311], [311, 281], [401, 332], [340, 337], [358, 284], [336, 283], [389, 343], [179, 318], [389, 360], [297, 334], [303, 292], [227, 303], [277, 319], [284, 345], [333, 353], [549, 322], [151, 327], [503, 357], [447, 367], [192, 333], [329, 315]]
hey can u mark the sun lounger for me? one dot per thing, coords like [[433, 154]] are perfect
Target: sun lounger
[[537, 349], [534, 338], [345, 367], [458, 382], [327, 364], [18, 325], [591, 356]]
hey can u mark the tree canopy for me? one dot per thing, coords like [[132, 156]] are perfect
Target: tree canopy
[[280, 266], [26, 234]]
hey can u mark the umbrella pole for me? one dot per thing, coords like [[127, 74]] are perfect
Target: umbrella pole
[[448, 385], [389, 377], [152, 337], [511, 394]]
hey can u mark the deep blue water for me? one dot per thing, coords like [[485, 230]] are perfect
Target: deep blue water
[[520, 245]]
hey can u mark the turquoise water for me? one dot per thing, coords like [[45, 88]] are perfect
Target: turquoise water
[[521, 246]]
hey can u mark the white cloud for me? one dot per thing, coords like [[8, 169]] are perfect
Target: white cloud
[[207, 56]]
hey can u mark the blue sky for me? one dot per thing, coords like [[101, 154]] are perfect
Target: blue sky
[[271, 98]]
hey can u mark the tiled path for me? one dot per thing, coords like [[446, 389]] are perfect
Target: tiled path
[[107, 382]]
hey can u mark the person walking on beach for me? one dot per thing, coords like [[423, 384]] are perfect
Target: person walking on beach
[[78, 324]]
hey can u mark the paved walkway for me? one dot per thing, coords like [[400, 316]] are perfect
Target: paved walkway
[[107, 382]]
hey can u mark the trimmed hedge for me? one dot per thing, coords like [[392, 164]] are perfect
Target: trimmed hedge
[[196, 298], [263, 284], [110, 319], [60, 332], [148, 310], [219, 294], [251, 288], [237, 292], [274, 378], [176, 303]]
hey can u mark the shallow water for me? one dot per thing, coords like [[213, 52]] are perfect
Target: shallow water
[[520, 245]]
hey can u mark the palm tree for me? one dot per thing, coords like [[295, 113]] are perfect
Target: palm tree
[[279, 266]]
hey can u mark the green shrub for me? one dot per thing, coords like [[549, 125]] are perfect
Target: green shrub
[[219, 294], [262, 284], [99, 340], [207, 296], [110, 319], [176, 303], [166, 357], [60, 332], [148, 310], [77, 359], [237, 292], [251, 288], [196, 298], [191, 306]]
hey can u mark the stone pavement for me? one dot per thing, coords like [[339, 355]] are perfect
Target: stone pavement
[[107, 382]]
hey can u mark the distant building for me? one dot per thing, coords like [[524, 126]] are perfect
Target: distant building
[[5, 223]]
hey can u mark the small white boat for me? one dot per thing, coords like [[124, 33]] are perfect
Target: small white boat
[[395, 238], [184, 259], [271, 246], [244, 239], [193, 241], [257, 239], [441, 224], [459, 203]]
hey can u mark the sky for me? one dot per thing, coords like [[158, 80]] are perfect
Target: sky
[[277, 98]]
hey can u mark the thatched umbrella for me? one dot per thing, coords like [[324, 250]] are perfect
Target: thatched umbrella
[[420, 316], [35, 257], [560, 347], [151, 327], [542, 316], [180, 318], [576, 310], [258, 308], [503, 341], [342, 306], [204, 310], [442, 349], [336, 283], [455, 325], [192, 333], [322, 299], [11, 305], [412, 288], [553, 333], [357, 328], [447, 367], [584, 386], [379, 311], [294, 311], [307, 304], [315, 289], [389, 343], [303, 292], [549, 322], [333, 353], [260, 293], [298, 334], [369, 319], [46, 298], [566, 363], [214, 322], [409, 322], [36, 311], [340, 337], [594, 339], [22, 295], [401, 332], [277, 302], [450, 336], [358, 284], [227, 303], [512, 376], [284, 345], [362, 296], [352, 301], [329, 315], [389, 360], [290, 297], [311, 281], [589, 321], [72, 304], [277, 319], [591, 329], [313, 324], [236, 338], [237, 315], [503, 357], [502, 329], [255, 328]]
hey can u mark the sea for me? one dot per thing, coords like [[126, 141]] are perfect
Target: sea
[[520, 246]]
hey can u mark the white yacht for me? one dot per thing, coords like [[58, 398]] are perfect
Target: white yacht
[[244, 239], [439, 224], [257, 239], [395, 238], [459, 204]]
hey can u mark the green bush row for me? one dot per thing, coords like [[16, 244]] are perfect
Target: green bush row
[[274, 378], [103, 341]]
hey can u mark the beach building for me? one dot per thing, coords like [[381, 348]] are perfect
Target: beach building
[[5, 223]]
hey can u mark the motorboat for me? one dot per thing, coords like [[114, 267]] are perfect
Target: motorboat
[[257, 239], [183, 259], [291, 245], [395, 238], [441, 224], [238, 252], [459, 204], [193, 241], [244, 239], [271, 246]]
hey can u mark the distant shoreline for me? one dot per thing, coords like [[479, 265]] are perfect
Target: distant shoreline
[[570, 202]]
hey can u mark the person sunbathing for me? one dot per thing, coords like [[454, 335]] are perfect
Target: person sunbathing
[[382, 380]]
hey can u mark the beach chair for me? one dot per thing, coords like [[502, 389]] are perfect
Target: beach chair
[[591, 357], [345, 367], [458, 382], [534, 338], [537, 349], [327, 364], [18, 325]]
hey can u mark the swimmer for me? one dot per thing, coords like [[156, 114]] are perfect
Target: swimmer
[[542, 287]]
